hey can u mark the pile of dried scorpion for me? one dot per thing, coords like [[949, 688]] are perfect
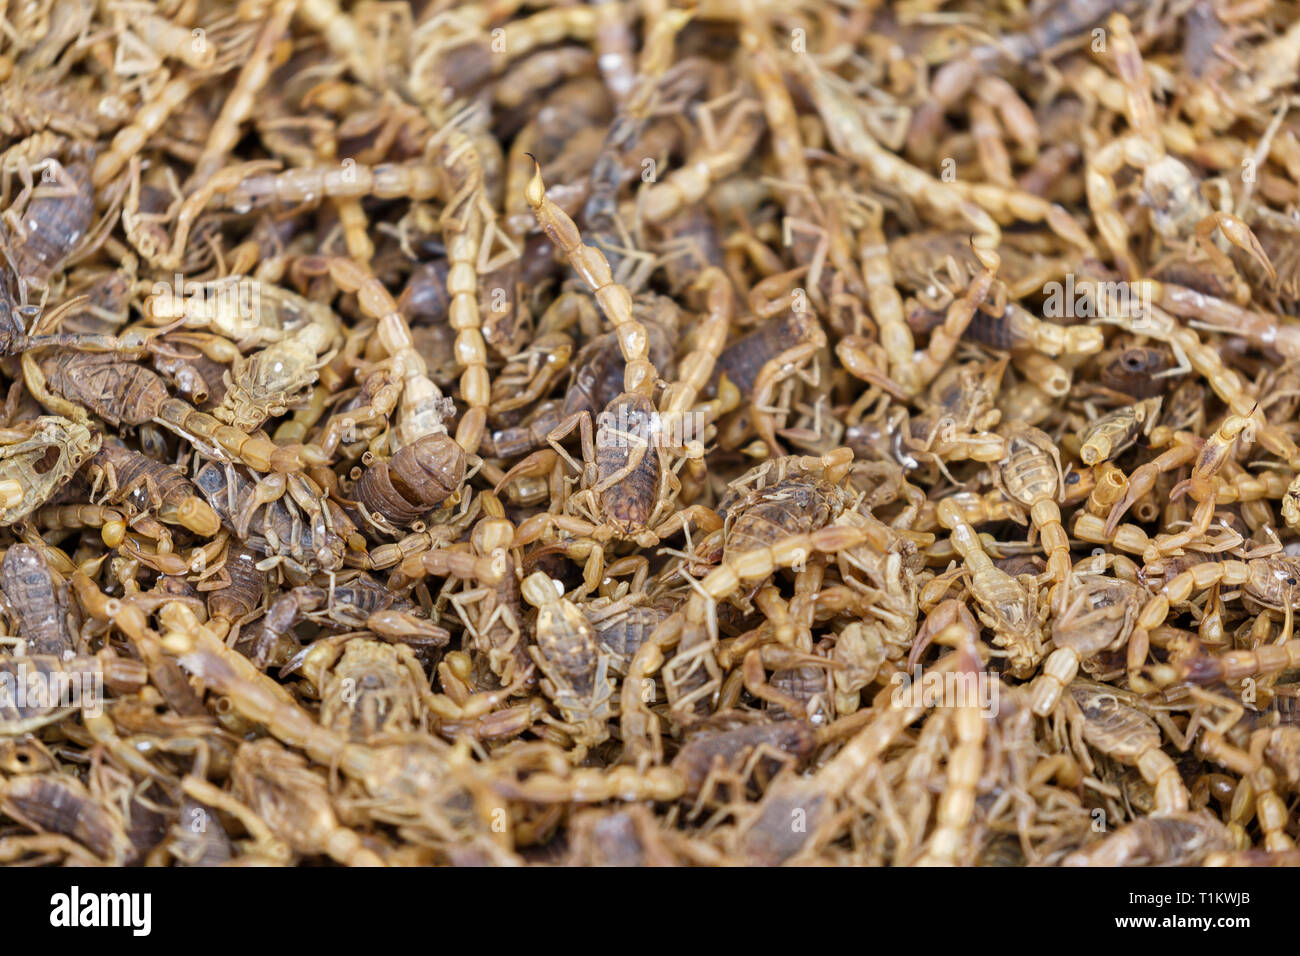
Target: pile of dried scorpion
[[649, 432]]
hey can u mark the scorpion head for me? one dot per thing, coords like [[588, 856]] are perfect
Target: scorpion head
[[1274, 582], [330, 549], [245, 416], [1010, 610], [40, 463], [1172, 193], [266, 384]]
